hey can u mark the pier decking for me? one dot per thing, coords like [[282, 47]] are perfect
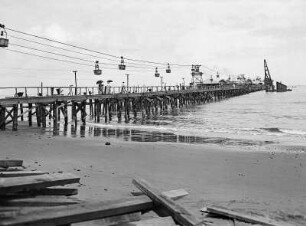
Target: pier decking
[[144, 100]]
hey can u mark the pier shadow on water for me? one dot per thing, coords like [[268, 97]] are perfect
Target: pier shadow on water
[[136, 135]]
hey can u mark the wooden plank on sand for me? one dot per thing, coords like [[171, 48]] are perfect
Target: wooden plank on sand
[[43, 191], [175, 194], [79, 212], [120, 220], [172, 194], [180, 214], [17, 184], [156, 221], [244, 217], [56, 191], [9, 169], [20, 173], [9, 163], [38, 201]]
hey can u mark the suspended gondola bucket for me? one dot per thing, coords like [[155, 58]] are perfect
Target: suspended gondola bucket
[[121, 65], [156, 73], [3, 37], [168, 70], [97, 70]]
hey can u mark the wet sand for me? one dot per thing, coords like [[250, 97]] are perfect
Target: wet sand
[[265, 182]]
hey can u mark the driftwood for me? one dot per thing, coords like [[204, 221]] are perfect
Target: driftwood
[[156, 221], [10, 185], [80, 212], [10, 163], [172, 194], [245, 217], [180, 214], [21, 173]]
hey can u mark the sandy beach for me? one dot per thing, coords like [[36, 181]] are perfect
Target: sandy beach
[[265, 182]]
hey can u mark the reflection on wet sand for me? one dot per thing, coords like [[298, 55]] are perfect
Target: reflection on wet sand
[[136, 135]]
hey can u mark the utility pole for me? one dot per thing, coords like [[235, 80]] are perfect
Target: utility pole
[[127, 81], [76, 82], [161, 82]]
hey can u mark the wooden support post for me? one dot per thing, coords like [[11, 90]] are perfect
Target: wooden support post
[[83, 112], [90, 107], [98, 110], [21, 112], [2, 117], [30, 114], [59, 113], [38, 114], [128, 108], [15, 117], [119, 110], [55, 117], [134, 105], [110, 111], [95, 109], [43, 116], [73, 111], [65, 113], [50, 112], [105, 106]]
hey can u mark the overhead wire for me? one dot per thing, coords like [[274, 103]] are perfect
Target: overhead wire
[[57, 47], [62, 60], [102, 53], [78, 52], [51, 58], [133, 63]]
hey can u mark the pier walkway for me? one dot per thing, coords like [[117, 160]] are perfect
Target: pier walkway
[[114, 101]]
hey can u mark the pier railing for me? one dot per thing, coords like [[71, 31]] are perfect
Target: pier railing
[[31, 91], [52, 102]]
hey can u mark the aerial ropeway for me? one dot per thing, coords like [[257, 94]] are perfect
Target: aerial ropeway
[[122, 65], [97, 70], [168, 70], [156, 72], [3, 37]]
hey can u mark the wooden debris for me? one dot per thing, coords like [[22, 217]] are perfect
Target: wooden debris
[[10, 163], [56, 191], [137, 193], [172, 194], [180, 214], [175, 194], [120, 220], [20, 173], [41, 192], [80, 212], [39, 201], [11, 185], [11, 169], [244, 217], [156, 221]]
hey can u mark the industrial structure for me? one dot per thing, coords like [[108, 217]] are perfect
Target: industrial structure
[[268, 82]]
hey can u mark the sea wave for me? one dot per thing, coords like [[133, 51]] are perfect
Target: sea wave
[[151, 127], [272, 130], [284, 131]]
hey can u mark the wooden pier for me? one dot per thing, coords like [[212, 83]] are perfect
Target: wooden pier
[[132, 102]]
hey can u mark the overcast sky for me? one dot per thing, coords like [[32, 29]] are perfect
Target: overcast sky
[[231, 36]]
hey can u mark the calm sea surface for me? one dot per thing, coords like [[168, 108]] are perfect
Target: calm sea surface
[[255, 119]]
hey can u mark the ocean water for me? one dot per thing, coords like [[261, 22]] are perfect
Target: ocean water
[[258, 118]]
